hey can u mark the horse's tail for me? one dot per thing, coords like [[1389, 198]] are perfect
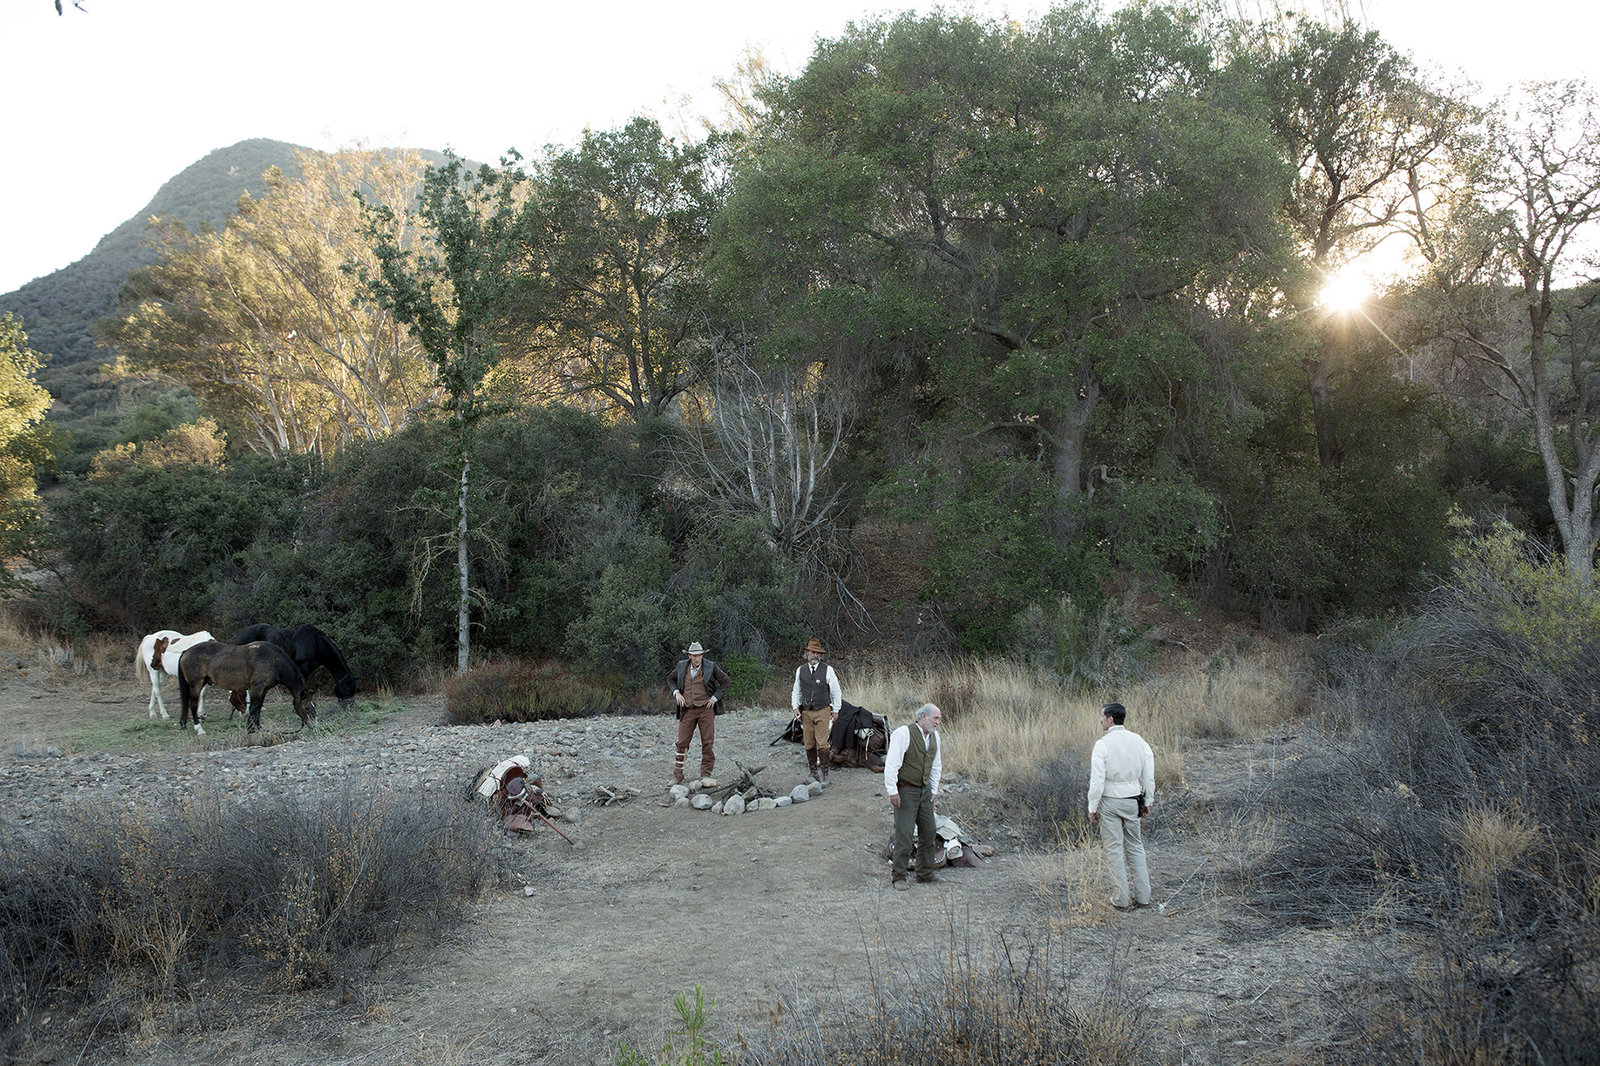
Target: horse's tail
[[140, 667]]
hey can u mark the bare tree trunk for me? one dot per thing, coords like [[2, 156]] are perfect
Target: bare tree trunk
[[1329, 452], [1065, 431], [463, 606], [1574, 515]]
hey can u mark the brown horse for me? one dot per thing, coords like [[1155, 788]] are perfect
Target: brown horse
[[240, 668]]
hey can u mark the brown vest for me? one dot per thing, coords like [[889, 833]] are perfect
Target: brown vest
[[695, 693], [918, 765]]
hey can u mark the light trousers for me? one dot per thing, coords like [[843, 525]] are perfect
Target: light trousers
[[1124, 841]]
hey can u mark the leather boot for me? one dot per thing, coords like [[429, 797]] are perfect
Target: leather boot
[[824, 759], [811, 763]]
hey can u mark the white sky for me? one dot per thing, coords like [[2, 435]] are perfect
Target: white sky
[[103, 105]]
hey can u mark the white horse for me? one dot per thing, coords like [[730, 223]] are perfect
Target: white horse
[[175, 646]]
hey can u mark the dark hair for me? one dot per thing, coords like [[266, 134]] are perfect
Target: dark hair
[[1117, 711]]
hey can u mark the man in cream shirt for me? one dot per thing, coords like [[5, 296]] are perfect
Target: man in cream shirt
[[1122, 785], [911, 773]]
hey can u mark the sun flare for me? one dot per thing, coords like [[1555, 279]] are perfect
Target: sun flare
[[1347, 290]]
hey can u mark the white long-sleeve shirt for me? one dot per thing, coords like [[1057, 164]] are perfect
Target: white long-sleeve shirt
[[834, 691], [899, 741], [1121, 767]]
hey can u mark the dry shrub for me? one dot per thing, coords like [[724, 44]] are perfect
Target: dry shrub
[[109, 906], [1450, 793], [1011, 1005], [25, 644], [1073, 886], [515, 691]]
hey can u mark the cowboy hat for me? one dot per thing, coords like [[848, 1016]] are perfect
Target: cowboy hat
[[694, 649], [816, 645]]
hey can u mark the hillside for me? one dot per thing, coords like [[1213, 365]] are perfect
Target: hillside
[[58, 309]]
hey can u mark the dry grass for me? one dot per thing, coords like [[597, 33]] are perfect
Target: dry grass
[[1011, 1002], [97, 655], [1006, 722], [1491, 840]]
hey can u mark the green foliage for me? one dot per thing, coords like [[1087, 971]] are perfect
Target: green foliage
[[624, 627], [25, 445], [521, 692], [693, 1019], [619, 225], [993, 556], [62, 308], [1504, 584], [1083, 648], [264, 320], [1155, 525], [747, 676], [147, 549], [452, 290], [1487, 472], [733, 593]]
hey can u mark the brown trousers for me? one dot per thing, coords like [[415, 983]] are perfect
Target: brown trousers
[[815, 725], [704, 718]]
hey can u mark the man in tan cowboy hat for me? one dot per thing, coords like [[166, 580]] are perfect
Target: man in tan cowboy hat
[[815, 702], [698, 686]]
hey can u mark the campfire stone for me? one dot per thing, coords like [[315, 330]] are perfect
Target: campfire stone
[[702, 802], [679, 791], [800, 794], [716, 808], [683, 801], [766, 803], [783, 801], [734, 805]]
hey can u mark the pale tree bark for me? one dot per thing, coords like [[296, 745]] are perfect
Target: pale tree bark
[[1519, 225], [772, 436]]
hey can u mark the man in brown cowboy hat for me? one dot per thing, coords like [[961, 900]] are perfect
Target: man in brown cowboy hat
[[815, 702], [698, 686]]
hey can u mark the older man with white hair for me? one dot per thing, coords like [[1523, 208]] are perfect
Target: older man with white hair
[[911, 781]]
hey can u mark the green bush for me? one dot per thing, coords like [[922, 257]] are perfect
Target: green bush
[[522, 692], [747, 676], [993, 554], [1081, 647]]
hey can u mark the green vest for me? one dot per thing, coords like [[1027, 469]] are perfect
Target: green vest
[[918, 765]]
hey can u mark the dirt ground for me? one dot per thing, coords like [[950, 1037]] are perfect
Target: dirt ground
[[768, 912]]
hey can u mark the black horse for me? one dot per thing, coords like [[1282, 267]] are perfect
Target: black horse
[[310, 648]]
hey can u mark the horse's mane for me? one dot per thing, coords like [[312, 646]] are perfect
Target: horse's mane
[[326, 647]]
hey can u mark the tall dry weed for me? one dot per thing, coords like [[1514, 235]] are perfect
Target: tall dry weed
[[1492, 840], [1006, 722], [120, 904]]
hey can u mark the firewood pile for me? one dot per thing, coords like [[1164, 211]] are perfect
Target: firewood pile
[[607, 797], [744, 785]]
